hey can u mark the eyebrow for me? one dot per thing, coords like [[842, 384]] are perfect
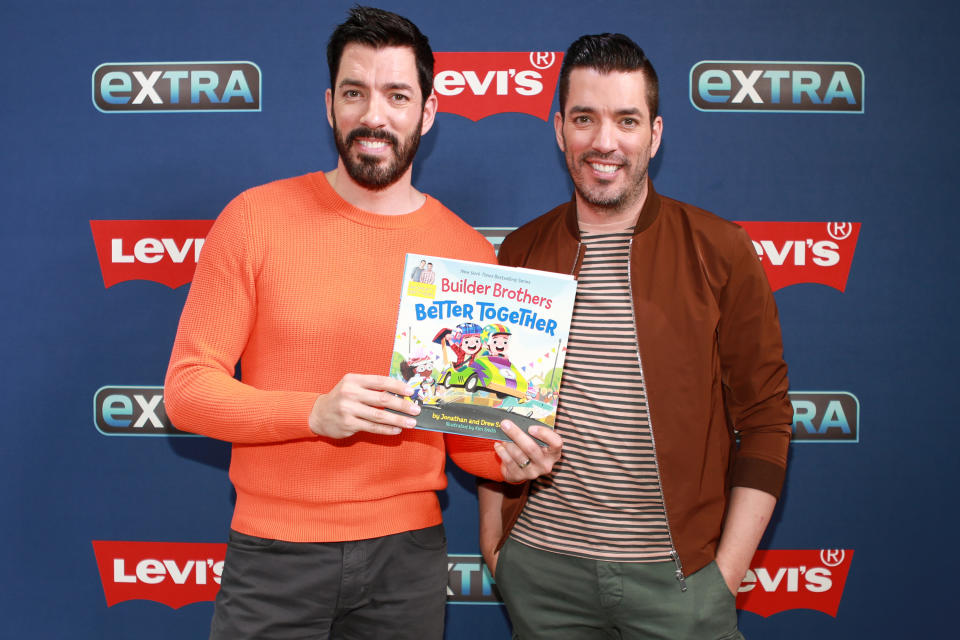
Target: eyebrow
[[633, 111], [390, 86]]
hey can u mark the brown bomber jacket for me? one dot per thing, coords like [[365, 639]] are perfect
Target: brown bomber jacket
[[712, 356]]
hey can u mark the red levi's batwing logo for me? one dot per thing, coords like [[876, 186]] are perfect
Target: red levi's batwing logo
[[477, 84], [172, 573], [165, 251], [797, 252], [779, 580]]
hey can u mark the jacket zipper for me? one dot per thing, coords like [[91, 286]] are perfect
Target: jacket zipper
[[653, 440], [678, 573], [576, 258]]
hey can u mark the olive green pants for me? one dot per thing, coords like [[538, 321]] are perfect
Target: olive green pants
[[558, 597]]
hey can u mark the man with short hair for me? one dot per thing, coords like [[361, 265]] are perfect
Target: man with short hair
[[336, 531], [427, 276], [646, 526]]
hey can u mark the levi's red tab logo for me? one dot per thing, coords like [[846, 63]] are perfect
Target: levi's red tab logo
[[172, 573], [779, 580], [797, 252], [165, 251], [477, 84]]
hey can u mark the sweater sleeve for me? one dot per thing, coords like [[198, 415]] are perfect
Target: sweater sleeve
[[475, 456], [201, 394], [754, 373]]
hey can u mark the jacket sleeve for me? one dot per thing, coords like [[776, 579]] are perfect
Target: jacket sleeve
[[507, 256], [201, 394], [754, 372]]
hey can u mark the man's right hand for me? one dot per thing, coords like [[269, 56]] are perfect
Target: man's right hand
[[357, 403]]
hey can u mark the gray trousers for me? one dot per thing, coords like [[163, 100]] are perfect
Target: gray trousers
[[558, 597], [394, 587]]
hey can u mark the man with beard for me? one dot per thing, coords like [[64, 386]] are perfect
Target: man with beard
[[646, 526], [336, 531]]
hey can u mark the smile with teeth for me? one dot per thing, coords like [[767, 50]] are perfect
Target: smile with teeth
[[604, 168], [373, 145]]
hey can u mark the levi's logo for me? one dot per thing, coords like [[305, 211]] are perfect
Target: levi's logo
[[797, 252], [165, 251], [779, 580], [477, 84], [172, 573]]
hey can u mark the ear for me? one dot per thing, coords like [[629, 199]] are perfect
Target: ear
[[656, 135], [429, 112], [558, 127], [328, 98]]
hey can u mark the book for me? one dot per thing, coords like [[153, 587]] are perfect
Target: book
[[480, 343]]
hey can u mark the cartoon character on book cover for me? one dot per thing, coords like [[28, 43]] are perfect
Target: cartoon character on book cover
[[418, 373]]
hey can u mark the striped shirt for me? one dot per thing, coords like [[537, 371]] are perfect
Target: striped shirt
[[603, 499]]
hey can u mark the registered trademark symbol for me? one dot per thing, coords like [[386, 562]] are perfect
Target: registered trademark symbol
[[831, 557], [839, 230], [542, 59]]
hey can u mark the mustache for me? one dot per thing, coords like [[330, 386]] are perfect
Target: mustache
[[611, 156], [366, 132]]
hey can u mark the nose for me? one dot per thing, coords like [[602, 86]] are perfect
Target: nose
[[605, 139], [375, 115]]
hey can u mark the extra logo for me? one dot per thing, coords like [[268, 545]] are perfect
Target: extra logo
[[795, 87], [798, 252], [165, 251], [480, 84], [825, 416], [163, 87], [469, 581], [132, 411], [172, 573], [780, 580], [495, 235]]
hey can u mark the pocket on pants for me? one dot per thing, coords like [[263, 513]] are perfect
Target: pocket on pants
[[714, 569], [249, 542], [717, 610], [430, 538]]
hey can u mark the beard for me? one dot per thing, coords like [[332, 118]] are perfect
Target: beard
[[373, 172], [598, 195]]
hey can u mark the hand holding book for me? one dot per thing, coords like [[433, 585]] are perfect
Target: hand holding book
[[525, 458], [357, 403]]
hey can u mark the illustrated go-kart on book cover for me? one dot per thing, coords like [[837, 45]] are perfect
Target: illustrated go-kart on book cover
[[481, 343]]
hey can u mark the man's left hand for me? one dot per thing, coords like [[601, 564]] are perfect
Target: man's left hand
[[523, 459]]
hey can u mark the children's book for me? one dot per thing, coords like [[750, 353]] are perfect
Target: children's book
[[480, 343]]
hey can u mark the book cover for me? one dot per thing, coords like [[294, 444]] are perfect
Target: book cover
[[480, 343]]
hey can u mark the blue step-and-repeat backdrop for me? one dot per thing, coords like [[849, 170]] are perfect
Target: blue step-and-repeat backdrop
[[827, 128]]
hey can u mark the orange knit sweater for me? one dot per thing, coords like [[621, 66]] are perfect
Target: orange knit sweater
[[301, 287]]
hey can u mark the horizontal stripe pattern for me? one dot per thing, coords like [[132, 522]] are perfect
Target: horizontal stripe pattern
[[603, 500]]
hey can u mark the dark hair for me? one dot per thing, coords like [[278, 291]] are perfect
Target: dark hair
[[608, 52], [378, 28]]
